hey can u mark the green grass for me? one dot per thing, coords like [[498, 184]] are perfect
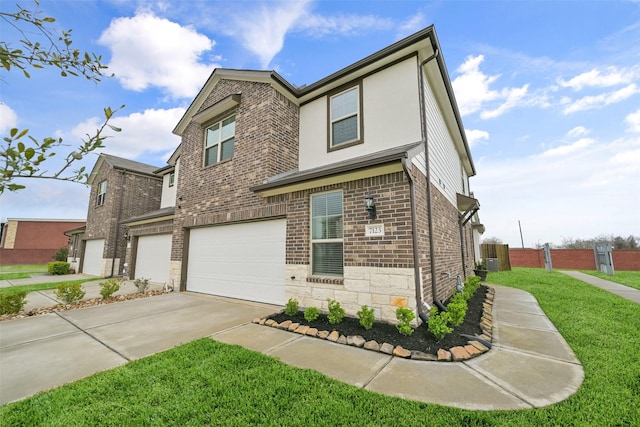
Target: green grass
[[24, 268], [627, 278], [209, 383], [45, 286], [11, 276]]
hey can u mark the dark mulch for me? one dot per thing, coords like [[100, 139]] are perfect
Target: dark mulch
[[420, 340]]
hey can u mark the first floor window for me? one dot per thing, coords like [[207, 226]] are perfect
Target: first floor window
[[327, 234], [219, 141], [102, 193]]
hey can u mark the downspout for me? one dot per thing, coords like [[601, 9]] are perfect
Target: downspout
[[115, 246], [424, 316], [423, 129]]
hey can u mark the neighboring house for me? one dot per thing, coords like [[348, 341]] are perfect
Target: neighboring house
[[354, 188], [120, 189], [33, 241]]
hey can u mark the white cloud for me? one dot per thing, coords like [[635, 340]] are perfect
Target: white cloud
[[149, 132], [560, 195], [599, 101], [611, 76], [343, 24], [474, 136], [578, 131], [8, 118], [473, 91], [411, 25], [151, 51], [563, 150], [633, 120]]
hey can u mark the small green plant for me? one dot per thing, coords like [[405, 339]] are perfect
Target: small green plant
[[438, 323], [291, 309], [457, 309], [12, 302], [311, 314], [58, 267], [366, 316], [336, 312], [62, 254], [142, 284], [405, 316], [69, 293], [109, 287], [471, 286]]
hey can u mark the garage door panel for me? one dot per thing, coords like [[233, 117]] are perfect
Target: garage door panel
[[93, 257], [245, 261], [153, 257]]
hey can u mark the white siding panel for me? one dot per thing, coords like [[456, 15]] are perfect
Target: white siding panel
[[245, 261], [391, 114], [152, 258], [93, 261], [444, 161]]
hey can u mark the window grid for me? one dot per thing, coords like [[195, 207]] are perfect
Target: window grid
[[102, 192], [220, 141], [327, 250], [345, 108]]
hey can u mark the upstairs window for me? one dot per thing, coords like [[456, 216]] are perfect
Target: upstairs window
[[172, 179], [102, 193], [219, 142], [327, 234], [344, 118]]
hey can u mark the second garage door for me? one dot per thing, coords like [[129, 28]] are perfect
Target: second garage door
[[245, 261], [153, 257], [93, 262]]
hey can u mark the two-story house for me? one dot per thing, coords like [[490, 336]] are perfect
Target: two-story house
[[354, 188], [120, 189]]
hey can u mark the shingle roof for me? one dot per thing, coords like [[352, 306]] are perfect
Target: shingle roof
[[130, 165]]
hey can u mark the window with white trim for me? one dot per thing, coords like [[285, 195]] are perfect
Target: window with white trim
[[219, 141], [172, 179], [327, 234], [102, 193], [345, 117]]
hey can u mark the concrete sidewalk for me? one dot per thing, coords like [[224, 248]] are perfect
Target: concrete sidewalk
[[530, 364], [627, 292], [47, 298]]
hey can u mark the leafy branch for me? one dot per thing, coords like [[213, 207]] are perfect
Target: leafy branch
[[22, 155], [55, 50]]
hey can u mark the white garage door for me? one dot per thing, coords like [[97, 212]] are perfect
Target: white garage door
[[93, 262], [245, 261], [152, 258]]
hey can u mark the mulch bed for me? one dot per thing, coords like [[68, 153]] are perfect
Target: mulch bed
[[79, 304], [421, 340]]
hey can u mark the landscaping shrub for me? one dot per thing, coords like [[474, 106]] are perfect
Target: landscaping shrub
[[438, 323], [405, 316], [109, 287], [311, 314], [291, 309], [471, 286], [62, 254], [58, 267], [142, 284], [69, 293], [336, 312], [366, 317], [457, 309], [12, 302]]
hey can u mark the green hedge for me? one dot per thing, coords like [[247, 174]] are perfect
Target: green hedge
[[58, 267]]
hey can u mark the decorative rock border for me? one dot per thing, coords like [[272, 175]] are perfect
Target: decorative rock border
[[475, 346]]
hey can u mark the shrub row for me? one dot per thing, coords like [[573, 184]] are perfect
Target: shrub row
[[441, 323]]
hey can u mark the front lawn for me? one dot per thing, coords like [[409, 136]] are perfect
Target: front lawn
[[627, 278], [45, 286], [12, 276], [24, 268], [209, 383]]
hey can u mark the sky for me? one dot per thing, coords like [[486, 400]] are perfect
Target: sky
[[549, 93]]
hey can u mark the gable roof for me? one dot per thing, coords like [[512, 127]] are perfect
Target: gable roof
[[122, 164], [423, 43]]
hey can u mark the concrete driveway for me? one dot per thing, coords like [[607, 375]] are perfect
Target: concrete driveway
[[44, 352]]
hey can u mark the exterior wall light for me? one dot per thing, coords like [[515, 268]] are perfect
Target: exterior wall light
[[370, 206]]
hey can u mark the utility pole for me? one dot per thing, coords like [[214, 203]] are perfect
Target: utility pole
[[521, 239]]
